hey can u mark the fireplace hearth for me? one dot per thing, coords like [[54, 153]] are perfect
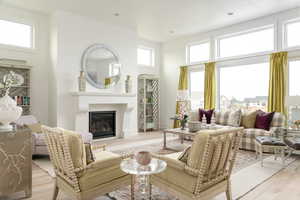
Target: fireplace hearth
[[102, 124]]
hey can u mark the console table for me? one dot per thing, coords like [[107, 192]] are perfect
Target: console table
[[15, 162]]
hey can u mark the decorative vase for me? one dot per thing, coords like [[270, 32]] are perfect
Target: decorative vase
[[81, 82], [128, 84], [9, 112], [143, 157]]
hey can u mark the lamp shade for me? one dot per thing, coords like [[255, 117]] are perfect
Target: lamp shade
[[292, 100]]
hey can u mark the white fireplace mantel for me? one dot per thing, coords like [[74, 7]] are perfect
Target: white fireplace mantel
[[86, 102], [85, 99]]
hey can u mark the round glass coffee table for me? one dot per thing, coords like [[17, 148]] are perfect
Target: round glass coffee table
[[142, 173]]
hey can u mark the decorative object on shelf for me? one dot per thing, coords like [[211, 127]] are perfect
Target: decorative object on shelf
[[194, 126], [100, 64], [297, 124], [143, 157], [9, 111], [148, 102], [81, 82], [128, 84]]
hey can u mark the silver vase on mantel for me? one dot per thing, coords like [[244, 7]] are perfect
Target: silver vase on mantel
[[128, 84], [81, 82]]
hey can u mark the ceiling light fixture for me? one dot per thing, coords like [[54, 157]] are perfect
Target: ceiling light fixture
[[230, 13], [117, 14], [171, 31]]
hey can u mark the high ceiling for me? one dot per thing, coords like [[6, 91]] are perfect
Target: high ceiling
[[161, 20]]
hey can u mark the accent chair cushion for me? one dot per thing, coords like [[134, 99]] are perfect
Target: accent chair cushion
[[183, 157], [76, 146], [248, 119], [89, 153], [207, 113], [234, 118], [35, 128], [263, 120], [196, 154]]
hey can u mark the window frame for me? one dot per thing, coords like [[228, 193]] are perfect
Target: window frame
[[285, 36], [253, 30], [187, 51], [32, 36], [152, 56], [196, 68], [293, 59]]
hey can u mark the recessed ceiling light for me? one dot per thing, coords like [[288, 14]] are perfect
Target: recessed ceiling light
[[230, 13], [117, 14], [171, 31]]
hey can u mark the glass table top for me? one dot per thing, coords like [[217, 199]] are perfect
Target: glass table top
[[131, 166]]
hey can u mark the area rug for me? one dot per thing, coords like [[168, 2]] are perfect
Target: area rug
[[247, 170]]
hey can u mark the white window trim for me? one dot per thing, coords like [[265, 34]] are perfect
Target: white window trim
[[32, 37], [284, 35], [187, 52], [218, 38], [152, 55]]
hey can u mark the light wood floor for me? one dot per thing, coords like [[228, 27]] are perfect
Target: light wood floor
[[282, 186]]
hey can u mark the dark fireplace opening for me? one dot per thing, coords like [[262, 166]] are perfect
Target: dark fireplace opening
[[102, 124]]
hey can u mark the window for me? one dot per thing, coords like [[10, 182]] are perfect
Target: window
[[246, 43], [292, 32], [145, 56], [198, 52], [244, 87], [15, 34], [197, 89], [294, 81]]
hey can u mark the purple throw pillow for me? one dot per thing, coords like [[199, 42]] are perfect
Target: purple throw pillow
[[263, 120], [208, 114]]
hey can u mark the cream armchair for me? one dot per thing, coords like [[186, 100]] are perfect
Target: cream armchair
[[74, 176], [204, 170]]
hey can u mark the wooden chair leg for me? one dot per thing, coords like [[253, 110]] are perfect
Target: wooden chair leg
[[55, 191], [228, 191]]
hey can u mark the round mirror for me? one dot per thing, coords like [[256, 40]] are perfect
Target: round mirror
[[101, 66]]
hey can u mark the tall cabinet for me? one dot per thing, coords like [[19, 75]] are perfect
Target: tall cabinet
[[148, 103]]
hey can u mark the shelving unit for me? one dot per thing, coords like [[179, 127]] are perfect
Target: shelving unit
[[148, 104], [22, 91]]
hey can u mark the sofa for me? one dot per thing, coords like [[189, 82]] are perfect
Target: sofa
[[248, 138], [39, 146]]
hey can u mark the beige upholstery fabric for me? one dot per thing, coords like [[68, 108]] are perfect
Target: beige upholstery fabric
[[35, 128], [183, 157], [248, 119], [89, 154], [196, 154], [76, 146]]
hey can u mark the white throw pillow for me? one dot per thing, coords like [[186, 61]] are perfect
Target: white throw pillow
[[234, 118]]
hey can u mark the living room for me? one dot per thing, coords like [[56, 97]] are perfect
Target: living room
[[207, 91]]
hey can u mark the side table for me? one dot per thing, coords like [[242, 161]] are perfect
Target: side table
[[130, 166], [277, 144]]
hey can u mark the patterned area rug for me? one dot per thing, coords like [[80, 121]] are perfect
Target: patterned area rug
[[243, 160]]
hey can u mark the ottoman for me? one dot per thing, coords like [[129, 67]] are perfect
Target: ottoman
[[277, 145]]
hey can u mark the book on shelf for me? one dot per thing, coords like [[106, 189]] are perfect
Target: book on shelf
[[22, 100]]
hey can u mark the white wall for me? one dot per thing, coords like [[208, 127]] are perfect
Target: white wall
[[38, 58], [174, 55], [72, 35]]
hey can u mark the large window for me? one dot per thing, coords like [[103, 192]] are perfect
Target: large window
[[246, 43], [16, 34], [244, 87], [197, 89], [145, 56], [198, 52], [292, 32], [294, 81]]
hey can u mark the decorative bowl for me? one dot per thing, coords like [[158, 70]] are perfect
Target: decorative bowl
[[194, 126], [9, 112], [143, 157]]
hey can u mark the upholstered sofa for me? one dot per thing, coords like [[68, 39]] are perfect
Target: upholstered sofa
[[38, 139], [248, 138]]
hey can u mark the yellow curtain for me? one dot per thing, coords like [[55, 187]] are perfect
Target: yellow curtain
[[107, 81], [277, 83], [182, 88], [210, 86]]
